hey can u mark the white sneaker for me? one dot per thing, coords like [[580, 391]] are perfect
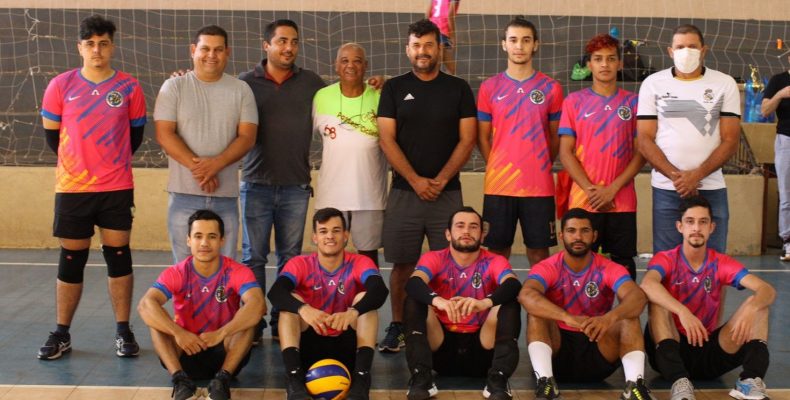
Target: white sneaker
[[751, 389], [785, 251], [682, 389]]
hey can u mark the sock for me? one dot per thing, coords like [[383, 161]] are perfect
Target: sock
[[122, 327], [755, 359], [62, 330], [668, 360], [418, 351], [508, 327], [540, 355], [292, 360], [364, 359], [634, 365]]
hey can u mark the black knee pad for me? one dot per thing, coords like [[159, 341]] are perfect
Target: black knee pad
[[118, 259], [71, 267]]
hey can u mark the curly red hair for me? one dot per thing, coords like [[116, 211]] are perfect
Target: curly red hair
[[602, 41]]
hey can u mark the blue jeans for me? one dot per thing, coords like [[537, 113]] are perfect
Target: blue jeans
[[666, 204], [182, 206], [782, 162]]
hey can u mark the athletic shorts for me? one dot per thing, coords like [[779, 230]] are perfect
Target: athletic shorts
[[579, 359], [314, 347], [365, 227], [461, 354], [77, 213], [616, 233], [535, 214], [207, 363], [408, 220], [707, 362]]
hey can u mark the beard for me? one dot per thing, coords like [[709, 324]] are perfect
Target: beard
[[696, 242], [577, 253], [465, 248], [432, 64]]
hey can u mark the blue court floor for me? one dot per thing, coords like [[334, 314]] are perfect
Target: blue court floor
[[27, 280]]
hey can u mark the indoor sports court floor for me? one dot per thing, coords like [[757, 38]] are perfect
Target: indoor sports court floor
[[91, 370]]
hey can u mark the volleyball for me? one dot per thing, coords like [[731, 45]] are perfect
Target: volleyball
[[328, 379]]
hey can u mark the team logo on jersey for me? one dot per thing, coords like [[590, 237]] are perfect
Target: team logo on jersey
[[624, 112], [477, 280], [114, 99], [220, 295], [462, 276], [706, 284], [537, 97], [341, 288], [591, 289], [708, 95]]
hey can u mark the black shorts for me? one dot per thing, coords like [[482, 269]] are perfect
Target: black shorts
[[580, 360], [617, 236], [77, 213], [314, 347], [535, 214], [207, 363], [707, 362], [461, 354]]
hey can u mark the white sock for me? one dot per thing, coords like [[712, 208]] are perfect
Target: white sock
[[633, 365], [540, 355]]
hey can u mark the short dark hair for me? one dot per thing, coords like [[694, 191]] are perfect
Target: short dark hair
[[520, 22], [691, 202], [210, 30], [577, 213], [688, 28], [271, 27], [206, 215], [464, 209], [325, 214], [96, 25], [424, 27]]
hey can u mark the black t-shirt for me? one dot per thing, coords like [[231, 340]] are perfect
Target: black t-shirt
[[427, 114], [777, 83]]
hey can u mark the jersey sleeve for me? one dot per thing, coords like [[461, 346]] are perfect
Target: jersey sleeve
[[661, 264], [137, 115], [52, 104], [555, 107], [500, 267], [545, 273], [732, 99], [615, 275], [364, 269], [243, 279], [773, 87], [731, 271], [647, 101], [293, 270], [568, 118], [429, 264], [169, 282], [387, 107], [249, 110], [484, 102], [467, 108], [166, 106]]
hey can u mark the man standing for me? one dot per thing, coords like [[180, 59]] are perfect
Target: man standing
[[344, 115], [427, 130], [574, 333], [597, 148], [205, 122], [518, 112], [683, 337], [94, 118], [442, 13], [689, 126], [217, 304]]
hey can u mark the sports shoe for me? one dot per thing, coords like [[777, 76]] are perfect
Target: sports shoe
[[126, 345], [750, 388], [394, 340], [497, 387], [785, 251], [183, 387], [682, 389], [54, 347], [360, 386], [636, 390], [547, 389], [421, 385], [294, 385], [219, 387]]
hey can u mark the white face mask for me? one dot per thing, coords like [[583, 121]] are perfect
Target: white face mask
[[687, 59]]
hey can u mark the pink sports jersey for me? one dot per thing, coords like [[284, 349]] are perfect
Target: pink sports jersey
[[604, 128], [519, 111], [440, 12], [448, 280], [205, 303], [334, 291], [95, 153], [699, 291], [589, 292]]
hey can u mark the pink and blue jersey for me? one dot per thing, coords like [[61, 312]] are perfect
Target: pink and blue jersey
[[95, 153], [605, 129], [448, 279], [331, 292], [440, 13], [519, 112], [589, 292], [699, 291], [205, 303]]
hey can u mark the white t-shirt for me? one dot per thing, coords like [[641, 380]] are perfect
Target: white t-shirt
[[688, 114]]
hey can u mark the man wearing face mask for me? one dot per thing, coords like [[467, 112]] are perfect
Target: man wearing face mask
[[688, 125]]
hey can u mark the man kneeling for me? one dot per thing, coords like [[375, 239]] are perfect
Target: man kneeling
[[217, 302], [461, 315], [328, 302]]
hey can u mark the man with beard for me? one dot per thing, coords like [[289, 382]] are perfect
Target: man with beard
[[684, 285], [427, 129], [461, 315], [573, 332], [328, 301]]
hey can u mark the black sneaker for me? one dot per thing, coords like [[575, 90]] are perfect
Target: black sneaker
[[547, 389], [360, 386], [126, 345], [54, 347], [636, 390], [294, 385], [394, 340], [257, 337], [421, 385], [183, 387], [219, 387], [497, 387]]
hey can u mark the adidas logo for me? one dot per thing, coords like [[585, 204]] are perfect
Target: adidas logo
[[408, 97]]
